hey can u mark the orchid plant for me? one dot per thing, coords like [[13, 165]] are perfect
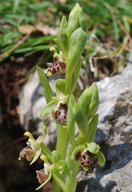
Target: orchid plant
[[62, 164]]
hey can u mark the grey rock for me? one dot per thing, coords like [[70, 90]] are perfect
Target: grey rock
[[32, 101], [114, 135]]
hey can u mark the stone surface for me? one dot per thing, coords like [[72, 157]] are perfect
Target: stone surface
[[32, 101], [114, 134]]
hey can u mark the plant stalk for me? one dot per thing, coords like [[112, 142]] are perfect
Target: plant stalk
[[61, 146]]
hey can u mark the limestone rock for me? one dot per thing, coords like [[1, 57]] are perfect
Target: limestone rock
[[114, 135]]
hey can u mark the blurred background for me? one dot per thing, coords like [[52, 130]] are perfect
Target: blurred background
[[27, 31]]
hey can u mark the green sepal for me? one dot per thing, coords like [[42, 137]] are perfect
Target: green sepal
[[48, 108], [56, 156], [60, 87], [48, 93], [38, 152], [70, 121], [101, 158], [82, 123], [89, 101], [73, 23], [93, 147], [78, 149], [62, 37], [92, 129]]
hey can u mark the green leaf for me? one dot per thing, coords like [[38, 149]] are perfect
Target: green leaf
[[45, 85], [47, 109], [94, 101], [82, 123], [75, 76], [101, 158], [70, 121], [59, 179], [62, 37], [93, 147], [60, 87], [92, 129], [45, 151], [83, 20], [89, 101]]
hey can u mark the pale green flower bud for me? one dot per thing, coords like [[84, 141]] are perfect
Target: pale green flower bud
[[73, 22], [76, 47]]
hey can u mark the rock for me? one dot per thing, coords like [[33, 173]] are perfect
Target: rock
[[114, 135], [32, 101]]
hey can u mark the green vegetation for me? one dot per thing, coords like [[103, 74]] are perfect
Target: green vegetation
[[110, 22]]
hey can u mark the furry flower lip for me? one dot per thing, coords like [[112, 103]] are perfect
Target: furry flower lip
[[87, 159], [27, 153], [60, 114], [42, 176]]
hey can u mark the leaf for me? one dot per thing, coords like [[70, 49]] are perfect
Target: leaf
[[25, 28], [92, 129], [82, 123], [45, 151], [89, 101], [70, 121], [101, 158], [60, 87], [45, 85], [47, 109], [62, 37], [59, 179], [75, 76]]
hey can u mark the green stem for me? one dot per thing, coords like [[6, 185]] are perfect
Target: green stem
[[61, 147], [73, 166], [68, 83], [55, 187], [62, 140]]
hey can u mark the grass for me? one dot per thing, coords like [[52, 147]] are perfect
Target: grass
[[109, 20]]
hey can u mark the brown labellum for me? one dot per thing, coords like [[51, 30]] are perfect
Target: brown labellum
[[27, 153], [41, 176]]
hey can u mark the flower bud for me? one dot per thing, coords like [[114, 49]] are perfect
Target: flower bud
[[73, 23], [76, 47]]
